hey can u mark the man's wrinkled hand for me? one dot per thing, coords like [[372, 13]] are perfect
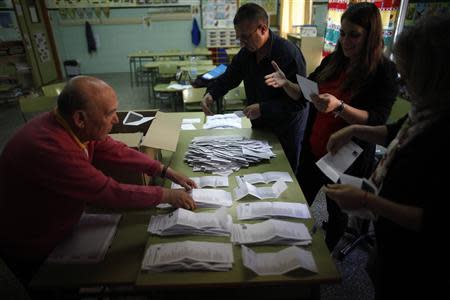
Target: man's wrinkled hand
[[178, 198]]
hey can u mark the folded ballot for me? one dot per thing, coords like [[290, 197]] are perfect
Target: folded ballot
[[187, 256], [206, 181], [266, 177], [266, 192], [279, 262], [273, 232], [266, 210], [183, 221], [208, 198]]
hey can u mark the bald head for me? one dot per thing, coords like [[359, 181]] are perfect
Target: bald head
[[82, 93], [89, 106]]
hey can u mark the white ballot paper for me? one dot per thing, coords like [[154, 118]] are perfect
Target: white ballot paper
[[212, 198], [273, 232], [188, 127], [190, 121], [183, 221], [365, 185], [134, 118], [210, 181], [187, 256], [267, 177], [207, 198], [89, 240], [223, 121], [335, 165], [266, 192], [308, 87], [266, 210], [279, 262]]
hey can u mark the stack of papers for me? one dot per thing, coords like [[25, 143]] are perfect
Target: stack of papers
[[335, 165], [179, 87], [187, 256], [211, 181], [266, 177], [212, 198], [266, 192], [266, 210], [183, 221], [273, 232], [223, 121], [222, 155], [89, 241], [280, 262], [208, 198]]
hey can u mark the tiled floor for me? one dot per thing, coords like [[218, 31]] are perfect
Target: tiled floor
[[355, 282]]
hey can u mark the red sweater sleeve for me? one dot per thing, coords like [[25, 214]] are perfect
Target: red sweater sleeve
[[71, 175]]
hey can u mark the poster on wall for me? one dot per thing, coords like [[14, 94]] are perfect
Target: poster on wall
[[41, 46], [218, 13], [270, 6]]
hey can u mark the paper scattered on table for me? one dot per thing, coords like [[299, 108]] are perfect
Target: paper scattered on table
[[222, 121], [207, 198], [308, 87], [335, 165], [271, 232], [182, 222], [365, 185], [187, 256], [279, 262], [206, 181], [177, 86], [135, 119], [223, 155], [89, 241], [266, 210], [265, 192], [267, 177]]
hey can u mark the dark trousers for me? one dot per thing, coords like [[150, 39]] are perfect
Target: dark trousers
[[311, 179], [291, 138]]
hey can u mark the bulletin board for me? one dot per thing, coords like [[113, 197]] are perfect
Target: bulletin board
[[218, 13], [271, 6]]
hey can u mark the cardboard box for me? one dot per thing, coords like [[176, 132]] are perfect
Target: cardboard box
[[161, 133]]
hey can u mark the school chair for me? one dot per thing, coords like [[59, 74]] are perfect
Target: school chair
[[53, 89], [192, 99], [234, 99], [32, 105]]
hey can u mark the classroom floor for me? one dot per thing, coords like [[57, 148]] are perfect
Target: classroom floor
[[355, 281]]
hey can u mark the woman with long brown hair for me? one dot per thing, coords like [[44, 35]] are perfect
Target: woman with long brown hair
[[357, 85]]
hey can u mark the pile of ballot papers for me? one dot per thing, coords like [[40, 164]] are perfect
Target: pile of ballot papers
[[183, 221], [271, 232], [223, 155], [187, 256], [266, 177], [279, 262], [266, 210], [206, 181], [207, 198]]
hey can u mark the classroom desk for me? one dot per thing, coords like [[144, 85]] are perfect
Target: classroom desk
[[136, 58], [240, 277]]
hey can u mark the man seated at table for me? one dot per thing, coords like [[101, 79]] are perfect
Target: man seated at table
[[47, 177]]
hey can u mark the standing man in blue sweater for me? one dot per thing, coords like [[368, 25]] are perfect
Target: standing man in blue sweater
[[268, 108]]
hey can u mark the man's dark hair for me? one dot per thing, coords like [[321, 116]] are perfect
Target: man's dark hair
[[71, 99], [251, 12]]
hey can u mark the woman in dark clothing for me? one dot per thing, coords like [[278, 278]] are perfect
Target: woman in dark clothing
[[357, 85], [412, 257]]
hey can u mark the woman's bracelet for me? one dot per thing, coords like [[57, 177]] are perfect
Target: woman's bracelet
[[164, 171]]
